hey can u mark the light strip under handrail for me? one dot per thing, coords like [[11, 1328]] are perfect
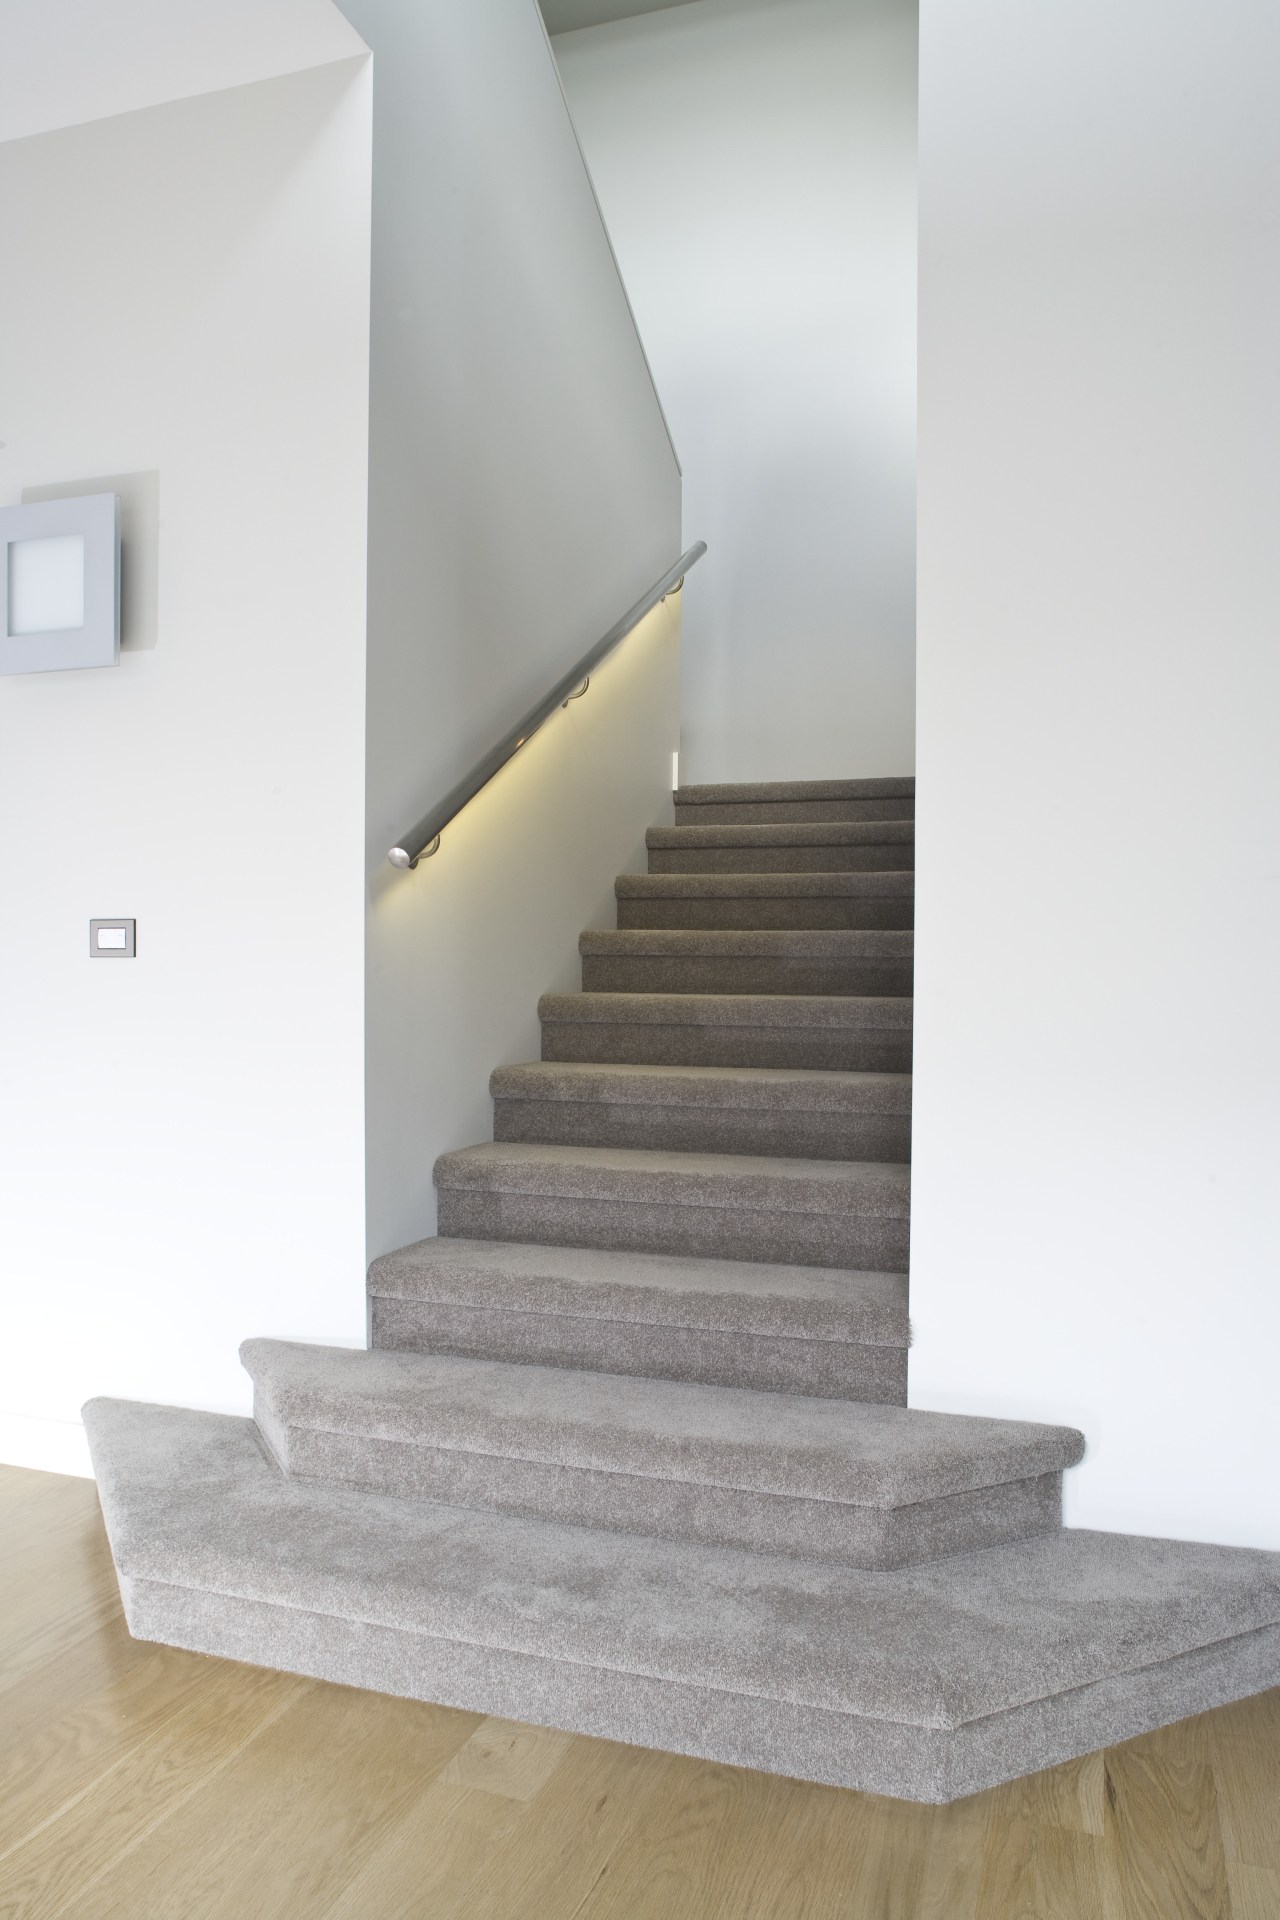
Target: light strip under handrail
[[422, 839]]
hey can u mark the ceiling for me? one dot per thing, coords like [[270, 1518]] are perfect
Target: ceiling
[[562, 16]]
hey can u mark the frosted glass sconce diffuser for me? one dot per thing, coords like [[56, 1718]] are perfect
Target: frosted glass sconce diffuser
[[60, 584]]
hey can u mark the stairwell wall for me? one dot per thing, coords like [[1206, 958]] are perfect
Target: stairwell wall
[[524, 493], [181, 1150], [756, 163], [1096, 1211]]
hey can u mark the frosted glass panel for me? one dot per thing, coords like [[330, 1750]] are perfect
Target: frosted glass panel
[[46, 584]]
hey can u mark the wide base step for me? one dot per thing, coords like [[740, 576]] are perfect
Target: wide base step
[[759, 1110], [783, 1329], [837, 1033], [821, 1213], [927, 1684], [867, 1486]]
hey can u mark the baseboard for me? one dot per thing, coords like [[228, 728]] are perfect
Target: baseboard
[[49, 1446]]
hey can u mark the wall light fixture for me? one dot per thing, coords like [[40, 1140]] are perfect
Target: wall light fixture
[[60, 584]]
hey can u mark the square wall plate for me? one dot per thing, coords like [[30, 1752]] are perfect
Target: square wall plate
[[60, 584]]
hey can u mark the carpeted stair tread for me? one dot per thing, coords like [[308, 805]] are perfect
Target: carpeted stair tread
[[826, 1450], [894, 885], [826, 1213], [837, 1334], [930, 1682], [710, 1180], [738, 792], [650, 1289], [826, 1013], [871, 1486], [789, 801], [814, 833], [794, 1112], [815, 962], [753, 902], [834, 943], [833, 846], [777, 1089], [836, 1032], [734, 1206]]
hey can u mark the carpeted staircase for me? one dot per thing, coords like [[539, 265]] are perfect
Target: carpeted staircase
[[631, 1452]]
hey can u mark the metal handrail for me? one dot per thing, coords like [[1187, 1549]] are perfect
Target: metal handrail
[[422, 840]]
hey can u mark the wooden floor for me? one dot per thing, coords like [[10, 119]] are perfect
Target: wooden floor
[[138, 1783]]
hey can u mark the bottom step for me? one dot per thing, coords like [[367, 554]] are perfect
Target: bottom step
[[926, 1684]]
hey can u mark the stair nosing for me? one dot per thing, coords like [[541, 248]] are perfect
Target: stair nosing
[[732, 793], [821, 883], [868, 1095], [771, 1334], [772, 942], [739, 1168], [795, 833], [589, 1008], [945, 1705], [1046, 1448], [665, 1477], [743, 1280]]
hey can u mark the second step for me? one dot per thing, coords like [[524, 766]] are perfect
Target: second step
[[829, 1479]]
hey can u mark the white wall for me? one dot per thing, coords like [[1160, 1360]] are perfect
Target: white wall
[[523, 494], [756, 164], [66, 61], [180, 1135], [461, 948], [1096, 1228]]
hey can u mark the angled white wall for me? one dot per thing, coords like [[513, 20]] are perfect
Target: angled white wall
[[756, 164], [186, 307], [1096, 1224], [523, 494], [63, 62]]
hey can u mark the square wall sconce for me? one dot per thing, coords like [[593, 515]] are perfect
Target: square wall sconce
[[60, 584]]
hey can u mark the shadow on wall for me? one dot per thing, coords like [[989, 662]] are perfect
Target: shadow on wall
[[139, 495]]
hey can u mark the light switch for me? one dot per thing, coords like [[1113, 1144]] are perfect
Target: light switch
[[112, 939]]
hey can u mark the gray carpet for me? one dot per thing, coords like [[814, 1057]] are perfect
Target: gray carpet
[[872, 1486], [756, 901], [846, 1033], [840, 846], [727, 960], [787, 1329], [630, 1454], [929, 1683], [750, 1110]]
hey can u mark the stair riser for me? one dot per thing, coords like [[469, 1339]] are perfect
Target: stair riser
[[711, 973], [806, 912], [829, 1369], [803, 1136], [928, 1764], [786, 813], [878, 1539], [876, 1243], [818, 1048], [893, 858]]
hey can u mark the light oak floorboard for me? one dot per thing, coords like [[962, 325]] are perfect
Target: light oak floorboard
[[147, 1783]]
